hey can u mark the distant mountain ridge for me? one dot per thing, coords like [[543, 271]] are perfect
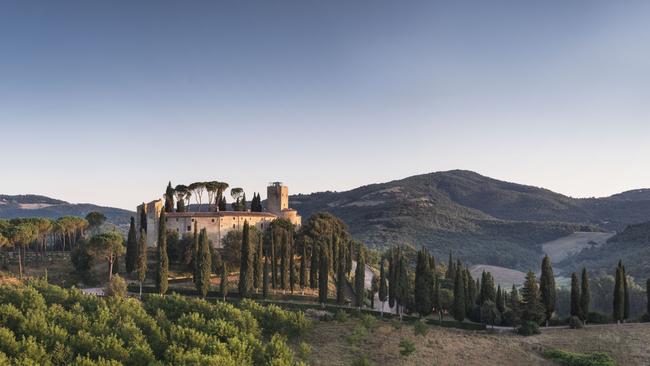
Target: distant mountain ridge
[[481, 219], [30, 205]]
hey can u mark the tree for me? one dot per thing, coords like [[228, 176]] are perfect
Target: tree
[[423, 284], [314, 267], [258, 263], [515, 306], [626, 292], [575, 296], [265, 278], [451, 269], [223, 205], [169, 198], [437, 299], [220, 199], [585, 295], [647, 292], [547, 288], [131, 248], [197, 189], [303, 267], [246, 267], [501, 301], [203, 264], [211, 188], [488, 291], [223, 285], [490, 313], [323, 276], [360, 278], [531, 308], [181, 192], [459, 296], [142, 259], [107, 246], [236, 194], [340, 278], [292, 269], [383, 286], [163, 259], [95, 219], [143, 217], [284, 254], [21, 234], [619, 296]]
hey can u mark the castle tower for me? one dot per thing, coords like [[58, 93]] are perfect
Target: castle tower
[[277, 197]]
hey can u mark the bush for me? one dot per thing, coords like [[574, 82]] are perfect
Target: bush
[[327, 317], [304, 350], [528, 328], [575, 323], [420, 328], [368, 320], [341, 316], [357, 335], [361, 361], [116, 287], [595, 317], [406, 347], [579, 359]]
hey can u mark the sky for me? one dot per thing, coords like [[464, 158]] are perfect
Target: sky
[[107, 101]]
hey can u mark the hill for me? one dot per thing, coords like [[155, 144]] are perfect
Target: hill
[[483, 220], [41, 206], [632, 246]]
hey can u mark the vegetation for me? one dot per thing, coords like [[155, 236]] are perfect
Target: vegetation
[[44, 324], [579, 359]]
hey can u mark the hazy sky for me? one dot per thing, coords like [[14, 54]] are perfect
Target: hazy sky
[[105, 101]]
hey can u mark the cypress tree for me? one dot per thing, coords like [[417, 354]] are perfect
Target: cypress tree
[[257, 274], [223, 206], [340, 278], [163, 259], [169, 198], [647, 293], [323, 275], [575, 296], [423, 284], [459, 297], [626, 297], [451, 269], [488, 291], [349, 251], [274, 261], [619, 296], [246, 266], [402, 290], [284, 261], [142, 258], [292, 269], [437, 302], [203, 264], [585, 295], [392, 278], [143, 218], [260, 261], [360, 279], [471, 291], [383, 286], [467, 279], [223, 285], [314, 268], [195, 252], [501, 301], [547, 288], [303, 267], [531, 306], [515, 305], [265, 278], [131, 248]]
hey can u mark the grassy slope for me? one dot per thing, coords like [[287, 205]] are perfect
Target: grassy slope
[[442, 346]]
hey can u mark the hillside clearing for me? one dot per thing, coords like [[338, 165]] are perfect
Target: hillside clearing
[[564, 247]]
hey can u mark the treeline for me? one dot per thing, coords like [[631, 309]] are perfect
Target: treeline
[[43, 324], [42, 234], [178, 199]]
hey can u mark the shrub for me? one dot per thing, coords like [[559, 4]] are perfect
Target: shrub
[[579, 359], [341, 316], [116, 287], [361, 361], [304, 350], [595, 317], [406, 347], [528, 328], [420, 328], [575, 323], [368, 320], [327, 317], [358, 333]]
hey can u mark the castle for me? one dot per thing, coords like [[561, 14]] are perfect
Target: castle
[[218, 224]]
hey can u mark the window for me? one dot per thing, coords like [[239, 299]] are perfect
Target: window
[[212, 220], [189, 227], [233, 226], [192, 220]]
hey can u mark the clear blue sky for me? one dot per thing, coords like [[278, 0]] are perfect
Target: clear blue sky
[[105, 101]]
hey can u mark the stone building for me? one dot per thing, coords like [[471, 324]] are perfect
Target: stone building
[[219, 223]]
